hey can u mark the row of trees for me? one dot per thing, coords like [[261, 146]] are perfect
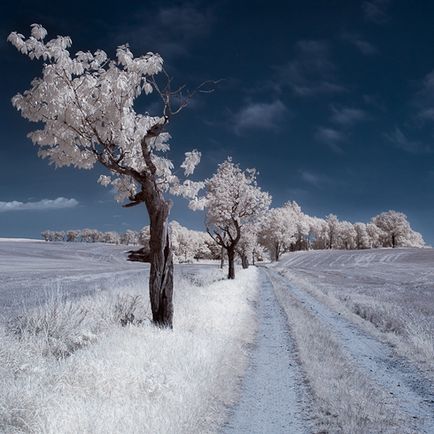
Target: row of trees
[[238, 218], [128, 237], [239, 222], [288, 229]]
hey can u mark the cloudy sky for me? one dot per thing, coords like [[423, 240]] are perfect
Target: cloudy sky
[[332, 101]]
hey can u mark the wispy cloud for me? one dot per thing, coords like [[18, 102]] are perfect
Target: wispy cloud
[[311, 72], [424, 98], [376, 11], [347, 116], [259, 116], [313, 178], [401, 141], [426, 114], [364, 46], [169, 31], [331, 137], [41, 205]]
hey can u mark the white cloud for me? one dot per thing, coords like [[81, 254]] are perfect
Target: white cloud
[[376, 11], [331, 138], [311, 178], [44, 204], [426, 114], [170, 31], [360, 43], [424, 98], [311, 72], [398, 138], [259, 116], [347, 115]]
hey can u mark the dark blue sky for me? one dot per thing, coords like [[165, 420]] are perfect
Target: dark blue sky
[[332, 101]]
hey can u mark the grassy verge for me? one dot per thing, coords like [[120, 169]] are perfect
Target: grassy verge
[[96, 365]]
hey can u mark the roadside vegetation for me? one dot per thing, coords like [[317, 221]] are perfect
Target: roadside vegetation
[[97, 365]]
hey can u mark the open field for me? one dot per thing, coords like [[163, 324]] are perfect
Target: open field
[[320, 342], [32, 270]]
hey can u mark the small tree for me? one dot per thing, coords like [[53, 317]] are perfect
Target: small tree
[[346, 235], [86, 106], [248, 244], [72, 235], [278, 232], [301, 223], [362, 237], [375, 234], [185, 242], [332, 230], [233, 200], [47, 235], [129, 237], [397, 230], [58, 236], [111, 237], [317, 233]]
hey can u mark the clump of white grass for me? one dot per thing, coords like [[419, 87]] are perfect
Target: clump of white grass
[[130, 376], [58, 328], [400, 322], [201, 276], [384, 317]]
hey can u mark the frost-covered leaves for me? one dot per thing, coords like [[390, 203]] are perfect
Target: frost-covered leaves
[[234, 196], [234, 206], [85, 103], [396, 230], [192, 159], [288, 228]]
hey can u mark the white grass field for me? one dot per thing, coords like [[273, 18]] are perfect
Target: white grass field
[[321, 342], [68, 366]]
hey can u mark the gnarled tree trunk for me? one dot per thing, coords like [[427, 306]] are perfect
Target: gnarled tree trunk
[[231, 262], [161, 258], [244, 261]]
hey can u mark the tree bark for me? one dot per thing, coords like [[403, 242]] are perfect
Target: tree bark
[[222, 257], [231, 262], [244, 261], [161, 258], [276, 252]]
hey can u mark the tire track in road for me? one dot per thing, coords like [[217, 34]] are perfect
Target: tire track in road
[[273, 397]]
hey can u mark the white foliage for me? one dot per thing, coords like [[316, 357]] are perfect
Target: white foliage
[[278, 232], [85, 103], [396, 230], [192, 159], [104, 180], [233, 197]]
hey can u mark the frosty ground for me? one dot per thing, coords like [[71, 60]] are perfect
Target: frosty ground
[[326, 341]]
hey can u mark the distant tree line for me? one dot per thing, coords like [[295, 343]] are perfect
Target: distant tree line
[[188, 245], [288, 229], [270, 234]]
